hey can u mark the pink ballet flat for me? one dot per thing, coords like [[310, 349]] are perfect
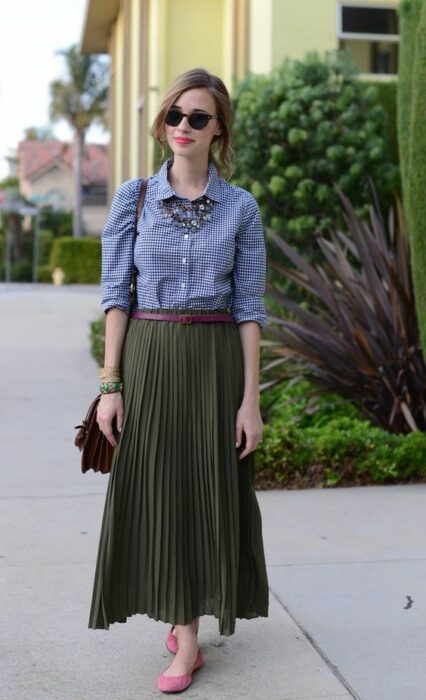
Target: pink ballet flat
[[171, 641], [175, 684]]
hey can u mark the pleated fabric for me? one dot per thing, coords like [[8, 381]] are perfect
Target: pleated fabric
[[181, 534]]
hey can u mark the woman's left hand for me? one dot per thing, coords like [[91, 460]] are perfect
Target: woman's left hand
[[249, 422]]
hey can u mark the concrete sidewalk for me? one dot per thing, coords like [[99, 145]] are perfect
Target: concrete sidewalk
[[347, 567]]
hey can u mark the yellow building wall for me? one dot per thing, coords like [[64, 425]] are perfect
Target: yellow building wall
[[282, 29], [260, 36], [119, 120], [299, 27], [135, 64], [194, 36]]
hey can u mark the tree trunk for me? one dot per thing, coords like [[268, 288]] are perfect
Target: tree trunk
[[417, 174], [78, 198]]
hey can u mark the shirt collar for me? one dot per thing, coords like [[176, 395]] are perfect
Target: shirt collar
[[212, 190]]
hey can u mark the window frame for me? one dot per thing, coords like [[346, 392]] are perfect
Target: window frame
[[391, 38]]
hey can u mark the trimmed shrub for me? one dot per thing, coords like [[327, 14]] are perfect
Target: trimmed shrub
[[79, 258]]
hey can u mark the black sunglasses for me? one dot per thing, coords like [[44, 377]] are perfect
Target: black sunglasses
[[196, 120]]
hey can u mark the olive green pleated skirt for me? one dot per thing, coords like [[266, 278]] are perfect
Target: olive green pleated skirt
[[181, 534]]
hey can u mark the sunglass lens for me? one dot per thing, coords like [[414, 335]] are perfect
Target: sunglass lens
[[173, 117], [198, 120]]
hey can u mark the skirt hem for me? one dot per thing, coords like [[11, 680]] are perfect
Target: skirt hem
[[225, 633]]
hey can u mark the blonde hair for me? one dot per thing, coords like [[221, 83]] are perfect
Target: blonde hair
[[220, 149]]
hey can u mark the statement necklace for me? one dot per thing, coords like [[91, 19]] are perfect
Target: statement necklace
[[188, 215]]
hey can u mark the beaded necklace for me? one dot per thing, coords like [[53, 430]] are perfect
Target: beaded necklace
[[188, 215]]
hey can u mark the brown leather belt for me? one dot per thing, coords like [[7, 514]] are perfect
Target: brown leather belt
[[182, 318]]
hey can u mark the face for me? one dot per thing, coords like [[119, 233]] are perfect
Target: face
[[183, 139]]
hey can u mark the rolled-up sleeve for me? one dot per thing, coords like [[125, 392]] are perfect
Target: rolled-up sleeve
[[249, 272], [118, 239]]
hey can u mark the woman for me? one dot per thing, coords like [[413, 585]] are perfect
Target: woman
[[181, 534]]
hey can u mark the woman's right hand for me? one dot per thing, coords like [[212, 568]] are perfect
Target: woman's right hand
[[110, 406]]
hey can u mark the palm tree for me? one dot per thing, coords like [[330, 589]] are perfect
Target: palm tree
[[81, 100]]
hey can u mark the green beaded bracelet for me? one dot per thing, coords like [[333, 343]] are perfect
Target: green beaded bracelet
[[110, 387]]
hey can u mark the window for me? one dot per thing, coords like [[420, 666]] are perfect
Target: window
[[94, 195], [371, 34]]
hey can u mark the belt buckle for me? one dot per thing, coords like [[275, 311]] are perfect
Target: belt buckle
[[185, 319]]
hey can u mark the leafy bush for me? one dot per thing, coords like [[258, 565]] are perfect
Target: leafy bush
[[327, 443], [97, 340], [308, 125], [79, 258]]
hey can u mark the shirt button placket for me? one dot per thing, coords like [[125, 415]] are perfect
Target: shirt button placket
[[184, 261]]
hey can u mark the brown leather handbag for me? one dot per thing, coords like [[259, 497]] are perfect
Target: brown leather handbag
[[96, 451]]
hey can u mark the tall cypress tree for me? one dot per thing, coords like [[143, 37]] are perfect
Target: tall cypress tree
[[412, 143], [417, 174], [409, 14]]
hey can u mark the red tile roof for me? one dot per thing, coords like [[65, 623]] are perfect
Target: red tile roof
[[35, 156]]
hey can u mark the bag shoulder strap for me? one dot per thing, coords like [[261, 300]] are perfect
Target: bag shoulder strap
[[139, 206], [141, 199]]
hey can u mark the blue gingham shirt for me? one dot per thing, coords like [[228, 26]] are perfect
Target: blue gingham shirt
[[221, 264]]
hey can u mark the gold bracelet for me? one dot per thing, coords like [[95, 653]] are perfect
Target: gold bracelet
[[109, 374]]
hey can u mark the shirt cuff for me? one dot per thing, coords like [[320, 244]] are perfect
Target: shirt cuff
[[112, 304], [240, 316]]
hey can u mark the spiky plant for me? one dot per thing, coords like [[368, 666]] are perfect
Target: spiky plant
[[358, 335]]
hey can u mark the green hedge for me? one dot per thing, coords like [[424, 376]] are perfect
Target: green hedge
[[79, 258]]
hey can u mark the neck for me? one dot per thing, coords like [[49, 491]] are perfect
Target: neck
[[188, 176]]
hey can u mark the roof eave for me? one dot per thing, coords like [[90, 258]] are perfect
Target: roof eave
[[99, 16]]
